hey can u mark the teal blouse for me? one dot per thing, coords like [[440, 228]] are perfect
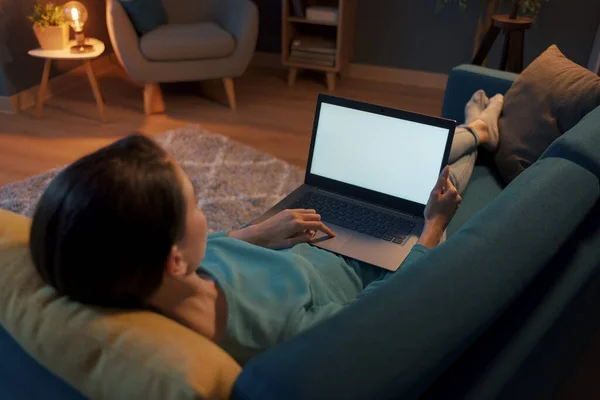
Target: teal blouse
[[272, 295]]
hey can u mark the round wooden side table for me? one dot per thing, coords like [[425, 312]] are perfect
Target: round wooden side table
[[65, 54]]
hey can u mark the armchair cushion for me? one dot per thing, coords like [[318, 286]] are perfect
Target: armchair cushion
[[145, 15], [181, 42]]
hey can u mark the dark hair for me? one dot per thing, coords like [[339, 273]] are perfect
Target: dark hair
[[105, 225]]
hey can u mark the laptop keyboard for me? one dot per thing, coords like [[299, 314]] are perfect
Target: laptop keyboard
[[357, 218]]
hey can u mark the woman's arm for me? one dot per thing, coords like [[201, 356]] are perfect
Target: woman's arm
[[283, 230]]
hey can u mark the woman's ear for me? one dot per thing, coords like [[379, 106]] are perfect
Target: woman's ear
[[175, 264]]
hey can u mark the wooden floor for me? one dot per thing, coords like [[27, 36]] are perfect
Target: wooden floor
[[271, 116]]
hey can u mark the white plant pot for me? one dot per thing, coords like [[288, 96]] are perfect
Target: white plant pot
[[52, 37]]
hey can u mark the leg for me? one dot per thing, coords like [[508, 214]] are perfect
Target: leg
[[153, 100], [95, 89], [228, 82], [292, 73], [43, 85], [331, 81], [515, 55], [486, 45], [462, 157], [481, 129], [464, 142], [462, 169], [505, 48]]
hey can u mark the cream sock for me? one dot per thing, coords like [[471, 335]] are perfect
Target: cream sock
[[479, 101], [490, 116]]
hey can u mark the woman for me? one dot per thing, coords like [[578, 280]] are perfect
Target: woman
[[121, 228]]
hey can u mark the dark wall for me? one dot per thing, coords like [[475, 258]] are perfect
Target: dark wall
[[22, 71], [3, 89], [397, 33], [410, 34]]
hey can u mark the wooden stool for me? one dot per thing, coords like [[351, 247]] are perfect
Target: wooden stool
[[514, 41]]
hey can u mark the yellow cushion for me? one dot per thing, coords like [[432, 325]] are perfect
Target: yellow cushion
[[104, 354]]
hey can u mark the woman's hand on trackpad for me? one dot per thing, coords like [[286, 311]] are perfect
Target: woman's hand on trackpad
[[284, 230]]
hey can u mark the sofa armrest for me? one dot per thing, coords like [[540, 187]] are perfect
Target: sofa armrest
[[464, 80], [124, 39], [240, 18]]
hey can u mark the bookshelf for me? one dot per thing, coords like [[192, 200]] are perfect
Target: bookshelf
[[342, 33]]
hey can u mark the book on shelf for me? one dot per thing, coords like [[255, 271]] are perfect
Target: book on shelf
[[322, 14], [314, 44], [297, 8], [313, 56]]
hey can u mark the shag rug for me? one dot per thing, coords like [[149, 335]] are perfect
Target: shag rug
[[235, 183]]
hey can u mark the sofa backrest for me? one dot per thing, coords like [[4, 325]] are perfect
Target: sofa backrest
[[464, 80]]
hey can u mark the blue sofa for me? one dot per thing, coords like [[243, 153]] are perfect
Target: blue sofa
[[503, 309]]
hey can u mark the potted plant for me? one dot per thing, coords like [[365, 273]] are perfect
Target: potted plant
[[49, 26]]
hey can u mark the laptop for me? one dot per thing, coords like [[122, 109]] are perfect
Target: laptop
[[370, 172]]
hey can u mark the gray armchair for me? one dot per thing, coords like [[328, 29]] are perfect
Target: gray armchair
[[203, 39]]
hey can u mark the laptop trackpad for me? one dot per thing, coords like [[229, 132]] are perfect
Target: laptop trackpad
[[342, 236]]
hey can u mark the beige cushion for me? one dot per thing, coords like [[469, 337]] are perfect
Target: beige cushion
[[180, 42], [549, 97], [104, 354]]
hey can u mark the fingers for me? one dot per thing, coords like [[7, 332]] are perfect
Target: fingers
[[301, 211], [452, 192], [442, 180], [311, 217], [316, 225], [450, 188], [308, 220]]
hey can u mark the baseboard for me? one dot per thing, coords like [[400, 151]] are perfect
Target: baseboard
[[61, 83], [369, 72], [407, 77]]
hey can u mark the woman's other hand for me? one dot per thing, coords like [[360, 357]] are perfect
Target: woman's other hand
[[443, 202], [284, 230]]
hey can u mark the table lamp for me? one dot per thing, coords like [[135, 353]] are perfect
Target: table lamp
[[76, 15]]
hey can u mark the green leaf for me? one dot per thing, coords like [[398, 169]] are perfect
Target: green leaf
[[47, 14]]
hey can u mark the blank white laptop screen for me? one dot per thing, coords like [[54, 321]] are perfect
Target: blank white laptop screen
[[388, 155]]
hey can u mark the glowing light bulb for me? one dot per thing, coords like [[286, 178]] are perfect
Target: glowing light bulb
[[76, 15]]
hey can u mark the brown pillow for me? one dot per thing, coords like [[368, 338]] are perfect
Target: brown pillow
[[549, 97], [104, 354]]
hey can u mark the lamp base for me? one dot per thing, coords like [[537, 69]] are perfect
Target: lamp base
[[82, 48]]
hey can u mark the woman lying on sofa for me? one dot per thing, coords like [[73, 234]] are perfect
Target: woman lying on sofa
[[121, 228]]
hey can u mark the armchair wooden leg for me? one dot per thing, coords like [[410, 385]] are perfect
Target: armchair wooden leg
[[153, 99], [228, 82], [331, 81], [292, 74]]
